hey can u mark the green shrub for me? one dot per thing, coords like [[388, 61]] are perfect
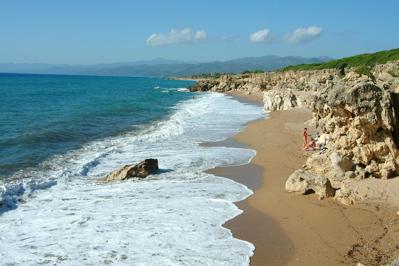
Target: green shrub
[[370, 60], [252, 71], [215, 75], [365, 70]]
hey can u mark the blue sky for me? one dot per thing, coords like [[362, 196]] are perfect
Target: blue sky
[[100, 31]]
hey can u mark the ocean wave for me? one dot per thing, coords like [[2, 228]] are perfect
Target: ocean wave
[[168, 90], [16, 192], [176, 217], [187, 116]]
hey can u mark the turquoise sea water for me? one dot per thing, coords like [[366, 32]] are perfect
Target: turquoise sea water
[[60, 134], [43, 115]]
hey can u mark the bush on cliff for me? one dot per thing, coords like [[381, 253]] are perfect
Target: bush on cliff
[[253, 71], [365, 70], [369, 60]]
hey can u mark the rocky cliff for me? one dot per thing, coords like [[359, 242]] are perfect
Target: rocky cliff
[[355, 112]]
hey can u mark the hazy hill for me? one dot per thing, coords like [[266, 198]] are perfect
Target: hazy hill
[[187, 69], [160, 67]]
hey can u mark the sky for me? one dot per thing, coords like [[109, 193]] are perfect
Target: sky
[[103, 31]]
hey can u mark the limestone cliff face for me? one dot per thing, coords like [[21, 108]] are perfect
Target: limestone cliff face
[[356, 115], [295, 80], [249, 83], [280, 100], [358, 119]]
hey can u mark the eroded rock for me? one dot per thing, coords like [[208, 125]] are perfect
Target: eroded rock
[[340, 164], [140, 170], [279, 100], [305, 182], [357, 117], [360, 121]]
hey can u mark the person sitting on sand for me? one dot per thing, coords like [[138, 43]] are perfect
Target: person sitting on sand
[[305, 137], [311, 146]]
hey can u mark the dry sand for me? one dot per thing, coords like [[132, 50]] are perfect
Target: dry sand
[[290, 229]]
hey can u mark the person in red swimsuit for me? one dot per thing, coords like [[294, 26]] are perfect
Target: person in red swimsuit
[[305, 137]]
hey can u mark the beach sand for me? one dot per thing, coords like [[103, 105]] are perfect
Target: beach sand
[[291, 229]]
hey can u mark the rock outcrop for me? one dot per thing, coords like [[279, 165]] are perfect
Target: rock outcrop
[[357, 116], [140, 170], [360, 121], [248, 83], [306, 182], [275, 100]]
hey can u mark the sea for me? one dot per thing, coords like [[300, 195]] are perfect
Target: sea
[[59, 135]]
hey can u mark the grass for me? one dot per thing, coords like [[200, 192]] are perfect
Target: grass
[[363, 60]]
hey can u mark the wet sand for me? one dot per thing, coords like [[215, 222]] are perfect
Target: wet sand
[[291, 229]]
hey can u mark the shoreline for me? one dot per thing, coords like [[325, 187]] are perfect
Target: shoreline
[[291, 229]]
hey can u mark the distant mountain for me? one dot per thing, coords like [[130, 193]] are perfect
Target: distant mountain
[[160, 67], [24, 68]]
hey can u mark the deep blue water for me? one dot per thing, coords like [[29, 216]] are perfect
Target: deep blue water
[[44, 115]]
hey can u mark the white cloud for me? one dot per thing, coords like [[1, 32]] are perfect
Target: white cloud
[[260, 36], [175, 36], [304, 34], [200, 35]]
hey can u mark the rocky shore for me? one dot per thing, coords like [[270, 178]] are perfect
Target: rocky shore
[[356, 115]]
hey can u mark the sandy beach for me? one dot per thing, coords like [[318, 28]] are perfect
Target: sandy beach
[[291, 229]]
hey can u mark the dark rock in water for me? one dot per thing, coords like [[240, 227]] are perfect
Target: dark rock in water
[[140, 170]]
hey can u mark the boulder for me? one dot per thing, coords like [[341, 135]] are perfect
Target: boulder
[[140, 170], [279, 100], [305, 182], [340, 164], [369, 190]]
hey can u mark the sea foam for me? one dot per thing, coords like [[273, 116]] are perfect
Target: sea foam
[[174, 218]]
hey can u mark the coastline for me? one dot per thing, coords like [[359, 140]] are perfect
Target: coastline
[[290, 229]]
